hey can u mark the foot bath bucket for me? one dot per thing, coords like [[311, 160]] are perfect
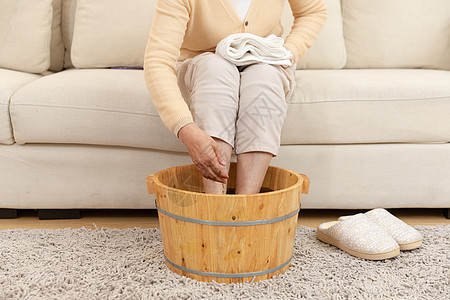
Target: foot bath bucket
[[227, 238]]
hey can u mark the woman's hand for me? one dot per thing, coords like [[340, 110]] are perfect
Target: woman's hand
[[287, 67], [204, 151]]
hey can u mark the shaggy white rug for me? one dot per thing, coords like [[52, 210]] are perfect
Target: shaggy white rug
[[128, 264]]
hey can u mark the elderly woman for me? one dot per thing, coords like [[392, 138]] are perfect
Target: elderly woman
[[214, 106]]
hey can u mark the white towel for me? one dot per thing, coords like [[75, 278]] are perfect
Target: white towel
[[246, 48]]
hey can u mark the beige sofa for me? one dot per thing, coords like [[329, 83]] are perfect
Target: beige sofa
[[369, 122]]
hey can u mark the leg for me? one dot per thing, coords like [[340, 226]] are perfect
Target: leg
[[212, 84], [262, 111], [8, 213], [251, 170], [52, 214]]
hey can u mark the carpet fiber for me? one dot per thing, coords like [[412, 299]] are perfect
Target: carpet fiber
[[128, 264]]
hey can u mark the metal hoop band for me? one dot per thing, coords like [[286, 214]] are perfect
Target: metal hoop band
[[228, 275], [228, 223]]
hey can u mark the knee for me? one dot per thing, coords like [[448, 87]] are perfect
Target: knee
[[266, 73], [265, 77], [215, 66]]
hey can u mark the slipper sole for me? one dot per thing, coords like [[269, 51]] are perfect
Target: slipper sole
[[411, 245], [366, 255]]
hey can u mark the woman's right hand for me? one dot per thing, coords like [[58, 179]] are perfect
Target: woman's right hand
[[204, 151]]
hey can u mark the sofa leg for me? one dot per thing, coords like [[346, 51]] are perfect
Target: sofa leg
[[447, 213], [7, 213], [51, 214]]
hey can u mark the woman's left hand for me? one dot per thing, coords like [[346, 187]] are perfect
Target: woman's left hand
[[287, 67]]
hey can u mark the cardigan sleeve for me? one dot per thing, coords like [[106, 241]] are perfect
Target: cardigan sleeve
[[309, 19], [162, 51]]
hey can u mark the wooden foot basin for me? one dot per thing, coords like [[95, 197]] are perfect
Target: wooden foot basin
[[227, 238]]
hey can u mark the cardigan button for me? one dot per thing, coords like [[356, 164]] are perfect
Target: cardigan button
[[246, 23]]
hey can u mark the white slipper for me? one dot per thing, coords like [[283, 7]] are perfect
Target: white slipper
[[406, 236], [359, 236]]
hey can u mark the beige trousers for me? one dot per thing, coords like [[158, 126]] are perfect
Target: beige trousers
[[244, 106]]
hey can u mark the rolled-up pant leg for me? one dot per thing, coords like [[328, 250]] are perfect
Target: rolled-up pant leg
[[210, 85], [264, 91]]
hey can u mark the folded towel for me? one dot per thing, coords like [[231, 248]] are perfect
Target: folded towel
[[246, 48]]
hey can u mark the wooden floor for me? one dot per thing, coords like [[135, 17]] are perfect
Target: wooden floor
[[149, 218]]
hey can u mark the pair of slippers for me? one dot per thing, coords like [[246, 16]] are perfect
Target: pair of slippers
[[374, 235]]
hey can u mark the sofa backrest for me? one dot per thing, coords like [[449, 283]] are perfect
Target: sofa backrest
[[328, 50], [30, 35], [397, 33], [67, 23], [97, 34], [357, 34], [110, 33]]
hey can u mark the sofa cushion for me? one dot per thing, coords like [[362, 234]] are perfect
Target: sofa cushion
[[25, 34], [369, 106], [111, 33], [56, 44], [397, 33], [67, 23], [327, 107], [10, 82], [90, 106], [328, 50]]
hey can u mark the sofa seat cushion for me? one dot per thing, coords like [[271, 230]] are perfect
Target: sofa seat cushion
[[10, 82], [113, 107], [90, 106], [369, 106]]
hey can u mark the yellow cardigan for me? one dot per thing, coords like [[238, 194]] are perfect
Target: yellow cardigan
[[185, 28]]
